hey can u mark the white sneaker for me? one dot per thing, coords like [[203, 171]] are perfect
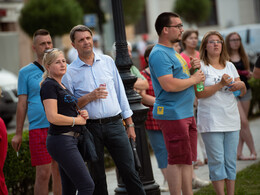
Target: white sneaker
[[199, 183], [164, 187]]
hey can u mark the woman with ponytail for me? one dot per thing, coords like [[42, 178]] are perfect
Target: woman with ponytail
[[65, 126]]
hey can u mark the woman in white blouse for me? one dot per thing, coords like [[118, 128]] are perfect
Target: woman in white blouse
[[218, 116]]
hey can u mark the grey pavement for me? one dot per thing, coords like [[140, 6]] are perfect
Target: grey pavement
[[202, 172]]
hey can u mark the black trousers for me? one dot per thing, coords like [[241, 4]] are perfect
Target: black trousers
[[113, 136], [73, 171]]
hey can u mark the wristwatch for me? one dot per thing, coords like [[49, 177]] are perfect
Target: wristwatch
[[131, 125]]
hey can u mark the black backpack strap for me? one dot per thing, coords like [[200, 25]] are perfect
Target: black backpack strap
[[38, 65]]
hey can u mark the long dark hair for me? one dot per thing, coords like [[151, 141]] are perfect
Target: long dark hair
[[241, 49]]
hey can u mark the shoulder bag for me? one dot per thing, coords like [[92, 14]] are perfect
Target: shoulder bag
[[86, 145]]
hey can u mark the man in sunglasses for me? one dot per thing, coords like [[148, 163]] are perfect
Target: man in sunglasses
[[173, 107], [29, 101]]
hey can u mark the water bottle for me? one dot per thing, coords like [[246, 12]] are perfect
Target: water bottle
[[237, 92], [199, 86]]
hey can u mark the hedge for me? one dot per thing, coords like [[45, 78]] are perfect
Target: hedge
[[18, 171], [255, 102]]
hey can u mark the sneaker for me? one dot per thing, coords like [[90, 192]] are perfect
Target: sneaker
[[198, 183], [164, 187]]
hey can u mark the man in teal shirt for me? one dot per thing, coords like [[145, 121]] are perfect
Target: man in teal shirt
[[29, 100], [173, 107]]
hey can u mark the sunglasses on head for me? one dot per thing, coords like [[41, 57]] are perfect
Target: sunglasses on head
[[51, 50]]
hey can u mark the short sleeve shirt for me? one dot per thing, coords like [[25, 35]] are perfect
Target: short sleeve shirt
[[136, 72], [65, 104], [170, 105], [187, 58], [219, 112], [29, 80]]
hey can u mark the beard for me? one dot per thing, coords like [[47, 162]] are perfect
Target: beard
[[175, 41]]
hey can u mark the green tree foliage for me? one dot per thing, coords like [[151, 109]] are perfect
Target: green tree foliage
[[57, 16], [255, 102], [193, 11], [133, 10]]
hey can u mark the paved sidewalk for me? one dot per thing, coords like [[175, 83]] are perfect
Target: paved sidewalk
[[202, 172]]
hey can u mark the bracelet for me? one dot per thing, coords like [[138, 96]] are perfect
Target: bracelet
[[131, 125], [73, 123]]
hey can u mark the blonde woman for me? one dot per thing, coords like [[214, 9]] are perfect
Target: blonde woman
[[65, 126], [218, 115]]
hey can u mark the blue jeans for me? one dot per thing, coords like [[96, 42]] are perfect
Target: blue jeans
[[113, 136], [221, 148], [159, 148], [73, 171]]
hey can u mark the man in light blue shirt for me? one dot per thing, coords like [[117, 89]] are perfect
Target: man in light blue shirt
[[95, 81]]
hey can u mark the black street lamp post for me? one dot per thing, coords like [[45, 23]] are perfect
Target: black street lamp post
[[123, 63]]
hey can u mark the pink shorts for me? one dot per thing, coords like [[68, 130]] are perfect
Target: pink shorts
[[37, 144], [180, 139]]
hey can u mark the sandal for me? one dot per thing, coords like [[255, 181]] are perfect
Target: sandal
[[251, 157]]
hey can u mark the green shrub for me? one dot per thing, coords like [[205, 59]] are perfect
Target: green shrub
[[255, 102], [18, 171]]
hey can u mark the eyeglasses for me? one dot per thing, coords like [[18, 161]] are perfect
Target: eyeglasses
[[179, 26], [51, 50], [213, 42], [234, 40]]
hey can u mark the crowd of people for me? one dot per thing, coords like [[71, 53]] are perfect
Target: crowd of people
[[59, 99]]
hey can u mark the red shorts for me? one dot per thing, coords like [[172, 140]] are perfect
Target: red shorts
[[37, 144], [180, 139]]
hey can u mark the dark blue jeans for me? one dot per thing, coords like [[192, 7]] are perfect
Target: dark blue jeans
[[113, 136], [73, 171]]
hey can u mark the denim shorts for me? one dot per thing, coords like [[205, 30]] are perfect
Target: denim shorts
[[159, 148], [246, 97], [221, 149]]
